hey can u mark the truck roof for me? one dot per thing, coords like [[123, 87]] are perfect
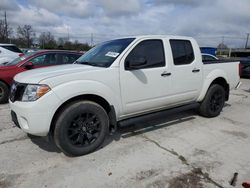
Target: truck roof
[[159, 36]]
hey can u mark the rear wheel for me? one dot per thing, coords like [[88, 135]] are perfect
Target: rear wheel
[[81, 128], [213, 102], [4, 93]]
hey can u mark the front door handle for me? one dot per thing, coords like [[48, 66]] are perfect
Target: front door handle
[[164, 74], [196, 70]]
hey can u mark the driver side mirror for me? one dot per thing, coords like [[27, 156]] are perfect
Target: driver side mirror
[[29, 65], [135, 63]]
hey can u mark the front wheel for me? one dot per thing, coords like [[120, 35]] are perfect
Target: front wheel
[[213, 102], [81, 128]]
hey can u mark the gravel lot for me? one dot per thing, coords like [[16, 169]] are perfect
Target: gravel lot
[[178, 150]]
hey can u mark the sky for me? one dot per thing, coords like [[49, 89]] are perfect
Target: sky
[[210, 22]]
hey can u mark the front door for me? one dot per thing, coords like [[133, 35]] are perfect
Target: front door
[[146, 87]]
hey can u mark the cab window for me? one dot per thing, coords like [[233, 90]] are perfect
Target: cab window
[[151, 50]]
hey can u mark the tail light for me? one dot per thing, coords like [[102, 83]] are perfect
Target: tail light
[[240, 69], [22, 54]]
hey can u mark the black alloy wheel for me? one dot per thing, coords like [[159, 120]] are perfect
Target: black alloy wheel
[[81, 128], [84, 129], [214, 101]]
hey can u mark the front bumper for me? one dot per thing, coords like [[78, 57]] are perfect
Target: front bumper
[[35, 117]]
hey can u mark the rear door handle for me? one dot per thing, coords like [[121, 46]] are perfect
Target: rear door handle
[[164, 74], [196, 70]]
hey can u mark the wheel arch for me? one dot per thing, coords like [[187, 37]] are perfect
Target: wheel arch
[[220, 80], [110, 109]]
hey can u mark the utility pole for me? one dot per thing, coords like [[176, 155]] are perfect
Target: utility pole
[[247, 40], [92, 39], [222, 44], [68, 32], [5, 27], [43, 39]]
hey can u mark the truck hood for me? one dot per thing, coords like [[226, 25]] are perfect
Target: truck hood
[[37, 75]]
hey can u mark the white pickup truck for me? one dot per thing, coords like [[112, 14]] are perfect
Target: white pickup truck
[[115, 81]]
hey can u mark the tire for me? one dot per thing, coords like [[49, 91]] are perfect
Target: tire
[[4, 93], [213, 102], [81, 128]]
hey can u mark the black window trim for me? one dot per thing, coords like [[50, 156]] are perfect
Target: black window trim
[[164, 56], [192, 61], [8, 47]]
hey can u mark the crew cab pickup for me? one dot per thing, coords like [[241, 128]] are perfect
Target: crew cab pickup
[[115, 81]]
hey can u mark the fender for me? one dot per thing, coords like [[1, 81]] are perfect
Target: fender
[[217, 73], [76, 88]]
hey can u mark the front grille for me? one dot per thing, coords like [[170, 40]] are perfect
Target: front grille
[[17, 90]]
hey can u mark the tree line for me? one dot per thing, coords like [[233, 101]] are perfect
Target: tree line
[[25, 37]]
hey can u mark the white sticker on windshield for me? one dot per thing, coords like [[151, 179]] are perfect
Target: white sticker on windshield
[[112, 54]]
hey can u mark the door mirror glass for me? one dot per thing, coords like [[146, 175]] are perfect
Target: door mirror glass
[[29, 65], [136, 63]]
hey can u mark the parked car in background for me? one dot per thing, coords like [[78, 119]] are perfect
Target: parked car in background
[[245, 67], [28, 50], [29, 61], [209, 50], [8, 52], [208, 57], [244, 70]]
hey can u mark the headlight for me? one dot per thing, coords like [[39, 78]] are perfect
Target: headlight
[[34, 92]]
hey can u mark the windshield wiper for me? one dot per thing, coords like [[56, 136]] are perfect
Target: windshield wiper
[[90, 63]]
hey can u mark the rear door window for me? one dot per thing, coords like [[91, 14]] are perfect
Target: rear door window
[[182, 51], [12, 48], [62, 58]]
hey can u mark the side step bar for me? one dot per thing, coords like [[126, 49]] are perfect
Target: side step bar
[[156, 115]]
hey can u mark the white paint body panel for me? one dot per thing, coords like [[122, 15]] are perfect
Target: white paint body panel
[[130, 92], [7, 55]]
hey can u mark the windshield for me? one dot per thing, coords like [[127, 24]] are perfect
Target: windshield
[[19, 59], [104, 54]]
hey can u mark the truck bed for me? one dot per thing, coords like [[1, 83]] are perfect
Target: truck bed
[[228, 69]]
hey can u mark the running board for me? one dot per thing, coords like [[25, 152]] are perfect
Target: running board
[[156, 115]]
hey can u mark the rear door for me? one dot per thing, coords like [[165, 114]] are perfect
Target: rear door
[[186, 78]]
